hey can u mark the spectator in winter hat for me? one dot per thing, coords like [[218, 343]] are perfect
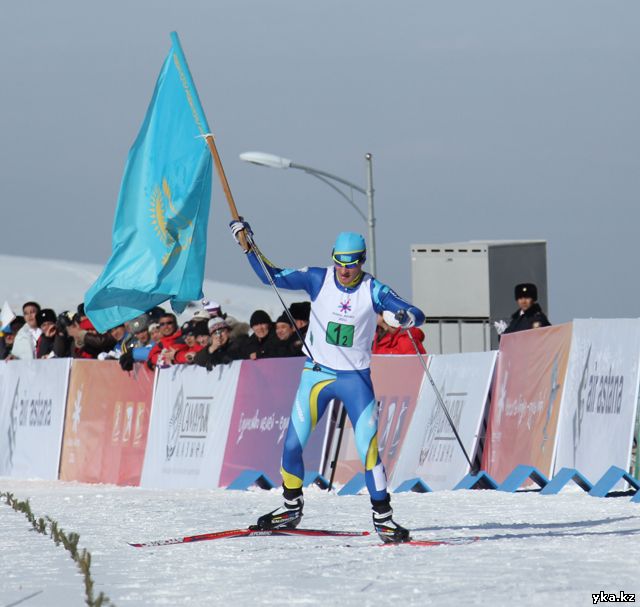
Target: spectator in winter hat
[[263, 334], [155, 314], [201, 315], [188, 333], [138, 347], [213, 308], [196, 336], [529, 314], [46, 320], [24, 344], [154, 332], [139, 324], [301, 311], [287, 343], [222, 349], [217, 323]]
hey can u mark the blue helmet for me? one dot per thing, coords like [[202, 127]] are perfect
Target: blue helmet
[[350, 249]]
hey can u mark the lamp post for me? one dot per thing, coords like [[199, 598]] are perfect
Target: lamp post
[[277, 162]]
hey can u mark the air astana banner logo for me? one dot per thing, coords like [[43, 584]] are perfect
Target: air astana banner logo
[[600, 392], [188, 426], [27, 411], [12, 429]]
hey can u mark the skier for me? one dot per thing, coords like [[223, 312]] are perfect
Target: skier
[[344, 304]]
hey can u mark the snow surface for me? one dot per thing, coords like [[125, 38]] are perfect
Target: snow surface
[[534, 550]]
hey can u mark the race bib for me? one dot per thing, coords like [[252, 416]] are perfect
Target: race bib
[[340, 335]]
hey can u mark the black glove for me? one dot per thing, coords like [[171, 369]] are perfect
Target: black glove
[[126, 361]]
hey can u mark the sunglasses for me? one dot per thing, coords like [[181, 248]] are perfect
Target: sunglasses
[[347, 261]]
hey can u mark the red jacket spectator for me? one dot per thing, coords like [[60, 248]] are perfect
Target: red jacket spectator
[[396, 341], [170, 340], [185, 357]]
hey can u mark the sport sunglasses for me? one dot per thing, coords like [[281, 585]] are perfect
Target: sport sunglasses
[[348, 260]]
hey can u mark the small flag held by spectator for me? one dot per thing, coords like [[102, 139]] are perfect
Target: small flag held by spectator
[[6, 316], [160, 226]]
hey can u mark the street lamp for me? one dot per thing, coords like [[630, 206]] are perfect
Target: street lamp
[[277, 162]]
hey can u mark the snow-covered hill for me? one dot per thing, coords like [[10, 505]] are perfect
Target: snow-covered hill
[[61, 285]]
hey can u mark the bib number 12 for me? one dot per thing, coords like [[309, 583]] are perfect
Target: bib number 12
[[340, 335]]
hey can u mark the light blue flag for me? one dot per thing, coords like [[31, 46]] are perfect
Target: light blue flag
[[160, 226]]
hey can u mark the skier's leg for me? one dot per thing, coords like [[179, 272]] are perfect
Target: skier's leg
[[356, 392], [310, 404]]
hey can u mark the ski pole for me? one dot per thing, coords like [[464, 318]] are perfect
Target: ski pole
[[246, 242], [473, 469], [341, 423], [254, 247]]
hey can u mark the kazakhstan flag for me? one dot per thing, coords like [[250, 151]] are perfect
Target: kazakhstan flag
[[160, 226]]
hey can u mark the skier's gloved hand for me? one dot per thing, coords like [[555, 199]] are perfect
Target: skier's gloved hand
[[405, 318], [240, 225]]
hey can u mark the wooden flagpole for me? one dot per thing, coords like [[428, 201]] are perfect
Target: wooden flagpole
[[227, 190]]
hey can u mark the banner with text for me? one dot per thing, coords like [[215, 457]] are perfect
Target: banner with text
[[430, 450], [105, 431], [266, 391], [396, 381], [525, 402], [32, 403], [189, 426], [600, 396]]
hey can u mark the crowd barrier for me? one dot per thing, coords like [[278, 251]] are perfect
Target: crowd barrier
[[558, 403]]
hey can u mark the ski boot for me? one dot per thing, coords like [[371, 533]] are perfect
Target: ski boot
[[285, 517], [388, 530]]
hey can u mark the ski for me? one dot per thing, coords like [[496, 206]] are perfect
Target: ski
[[454, 541], [233, 533]]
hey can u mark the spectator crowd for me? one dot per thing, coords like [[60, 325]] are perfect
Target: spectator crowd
[[209, 338]]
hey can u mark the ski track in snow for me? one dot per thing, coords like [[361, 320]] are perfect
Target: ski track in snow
[[534, 550]]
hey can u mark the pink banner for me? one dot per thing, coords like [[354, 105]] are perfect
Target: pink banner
[[265, 395], [105, 431], [396, 381], [525, 405]]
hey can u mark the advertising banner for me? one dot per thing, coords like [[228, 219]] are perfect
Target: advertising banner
[[265, 395], [396, 381], [189, 426], [599, 400], [105, 431], [525, 404], [430, 450], [32, 403]]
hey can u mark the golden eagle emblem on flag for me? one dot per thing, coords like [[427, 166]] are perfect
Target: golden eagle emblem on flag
[[167, 221]]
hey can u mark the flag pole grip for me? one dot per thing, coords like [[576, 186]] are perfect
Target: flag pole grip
[[227, 190]]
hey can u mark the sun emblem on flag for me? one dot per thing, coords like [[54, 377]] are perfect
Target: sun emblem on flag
[[345, 306], [167, 222]]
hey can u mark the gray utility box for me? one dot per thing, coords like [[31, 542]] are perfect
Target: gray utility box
[[463, 287]]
